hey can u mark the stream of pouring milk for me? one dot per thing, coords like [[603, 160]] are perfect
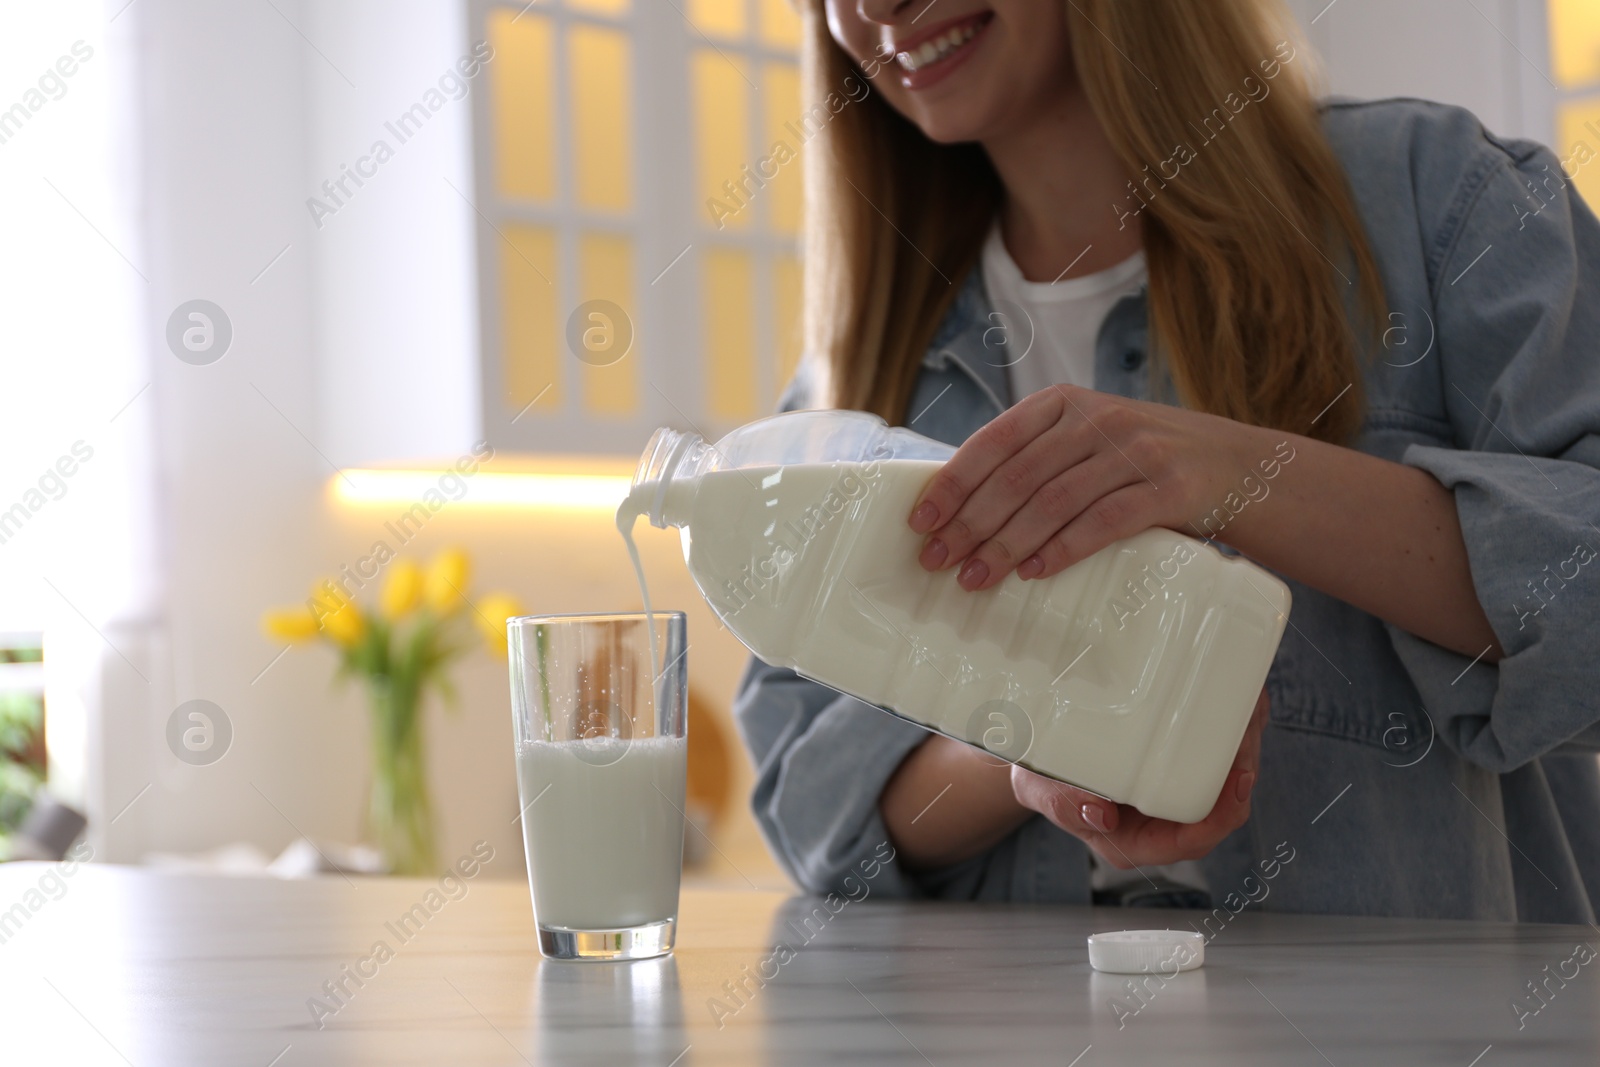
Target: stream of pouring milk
[[628, 513]]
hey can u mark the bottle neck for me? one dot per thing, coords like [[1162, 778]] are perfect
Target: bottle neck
[[663, 482]]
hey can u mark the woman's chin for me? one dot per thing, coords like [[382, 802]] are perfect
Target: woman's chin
[[952, 122], [967, 106]]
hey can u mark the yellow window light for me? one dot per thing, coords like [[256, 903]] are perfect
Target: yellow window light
[[780, 24], [580, 485], [1578, 145], [1575, 42], [522, 105], [719, 18], [599, 65], [611, 8]]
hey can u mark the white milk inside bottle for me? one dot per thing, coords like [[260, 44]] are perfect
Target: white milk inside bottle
[[1132, 674]]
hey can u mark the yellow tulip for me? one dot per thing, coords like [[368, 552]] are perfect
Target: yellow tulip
[[493, 611], [345, 627], [294, 625], [445, 585], [403, 589]]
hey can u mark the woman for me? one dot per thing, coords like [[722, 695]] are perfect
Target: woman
[[1118, 250]]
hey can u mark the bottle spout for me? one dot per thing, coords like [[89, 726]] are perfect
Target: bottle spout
[[672, 455]]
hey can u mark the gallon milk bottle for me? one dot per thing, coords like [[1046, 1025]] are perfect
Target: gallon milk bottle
[[1132, 674]]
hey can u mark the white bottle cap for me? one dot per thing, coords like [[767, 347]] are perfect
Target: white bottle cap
[[1146, 951]]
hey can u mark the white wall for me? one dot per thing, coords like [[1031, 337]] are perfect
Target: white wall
[[223, 168], [1484, 55], [395, 299]]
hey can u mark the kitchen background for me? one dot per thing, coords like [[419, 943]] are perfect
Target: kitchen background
[[396, 215]]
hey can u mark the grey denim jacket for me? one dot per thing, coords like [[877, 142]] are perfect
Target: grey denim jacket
[[1397, 778]]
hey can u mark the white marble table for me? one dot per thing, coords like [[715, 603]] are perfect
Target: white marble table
[[133, 967]]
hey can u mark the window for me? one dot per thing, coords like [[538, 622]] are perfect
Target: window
[[1575, 62], [745, 94], [76, 411], [638, 238], [22, 739]]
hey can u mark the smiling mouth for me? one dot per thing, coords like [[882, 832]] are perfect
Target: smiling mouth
[[944, 47]]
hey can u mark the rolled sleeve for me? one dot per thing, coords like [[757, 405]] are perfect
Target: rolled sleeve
[[822, 760], [1517, 297]]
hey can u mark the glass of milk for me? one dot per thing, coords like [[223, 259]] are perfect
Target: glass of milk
[[599, 708]]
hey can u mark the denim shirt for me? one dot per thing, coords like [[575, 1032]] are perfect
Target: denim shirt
[[1397, 777]]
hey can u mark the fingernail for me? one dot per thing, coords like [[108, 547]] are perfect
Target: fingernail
[[974, 573], [1095, 816], [1031, 567], [934, 554], [1247, 782], [923, 518]]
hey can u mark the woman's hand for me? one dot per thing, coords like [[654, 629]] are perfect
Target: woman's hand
[[1125, 837], [1068, 471]]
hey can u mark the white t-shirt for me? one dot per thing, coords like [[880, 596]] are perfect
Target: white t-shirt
[[1044, 332]]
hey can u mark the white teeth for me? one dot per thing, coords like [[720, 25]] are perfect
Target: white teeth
[[936, 50]]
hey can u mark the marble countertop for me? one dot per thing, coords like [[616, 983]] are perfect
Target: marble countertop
[[124, 966]]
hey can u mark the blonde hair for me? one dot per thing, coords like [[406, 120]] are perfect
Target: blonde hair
[[1257, 259]]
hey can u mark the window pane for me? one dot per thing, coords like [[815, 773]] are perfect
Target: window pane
[[780, 97], [721, 124], [1578, 144], [601, 124], [529, 331], [609, 335], [729, 314], [1575, 41], [718, 18], [522, 105], [613, 8], [786, 291], [780, 24]]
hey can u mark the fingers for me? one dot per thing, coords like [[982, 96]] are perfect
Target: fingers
[[1249, 757], [1053, 506], [998, 497], [1023, 485], [1167, 842], [1247, 761], [1118, 514], [979, 457], [1079, 813], [1231, 811], [1125, 837], [1039, 489]]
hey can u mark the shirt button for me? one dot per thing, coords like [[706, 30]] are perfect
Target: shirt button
[[1130, 359]]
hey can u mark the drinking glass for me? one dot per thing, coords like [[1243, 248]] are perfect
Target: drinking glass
[[602, 754]]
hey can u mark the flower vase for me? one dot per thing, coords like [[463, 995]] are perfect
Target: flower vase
[[401, 813]]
